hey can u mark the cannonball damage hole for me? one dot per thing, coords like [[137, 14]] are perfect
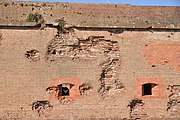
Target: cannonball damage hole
[[33, 55], [153, 65], [147, 89], [42, 107]]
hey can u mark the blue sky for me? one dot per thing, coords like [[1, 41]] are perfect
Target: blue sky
[[133, 2]]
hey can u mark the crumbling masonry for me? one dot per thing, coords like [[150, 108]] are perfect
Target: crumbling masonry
[[89, 61], [67, 45]]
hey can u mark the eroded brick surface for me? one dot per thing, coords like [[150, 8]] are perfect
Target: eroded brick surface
[[163, 53], [70, 58], [110, 73]]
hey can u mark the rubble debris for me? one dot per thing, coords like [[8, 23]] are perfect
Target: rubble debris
[[33, 55], [84, 88], [174, 99], [41, 107]]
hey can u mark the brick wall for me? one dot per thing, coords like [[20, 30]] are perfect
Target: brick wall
[[23, 82]]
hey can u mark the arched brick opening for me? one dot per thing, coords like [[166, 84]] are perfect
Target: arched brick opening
[[64, 87], [150, 88]]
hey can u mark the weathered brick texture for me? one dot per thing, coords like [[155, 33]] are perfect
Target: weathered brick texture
[[119, 61]]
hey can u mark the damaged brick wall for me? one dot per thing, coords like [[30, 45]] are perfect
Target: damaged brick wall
[[69, 46], [121, 64], [55, 91], [174, 100], [137, 110]]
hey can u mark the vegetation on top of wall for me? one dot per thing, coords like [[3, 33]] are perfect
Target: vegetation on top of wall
[[38, 18], [61, 24]]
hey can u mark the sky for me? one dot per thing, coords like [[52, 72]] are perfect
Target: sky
[[133, 2]]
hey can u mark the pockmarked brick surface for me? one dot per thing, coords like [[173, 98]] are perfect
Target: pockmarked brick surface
[[81, 74], [24, 82]]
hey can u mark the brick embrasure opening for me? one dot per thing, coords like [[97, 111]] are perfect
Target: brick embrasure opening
[[150, 88], [65, 87]]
